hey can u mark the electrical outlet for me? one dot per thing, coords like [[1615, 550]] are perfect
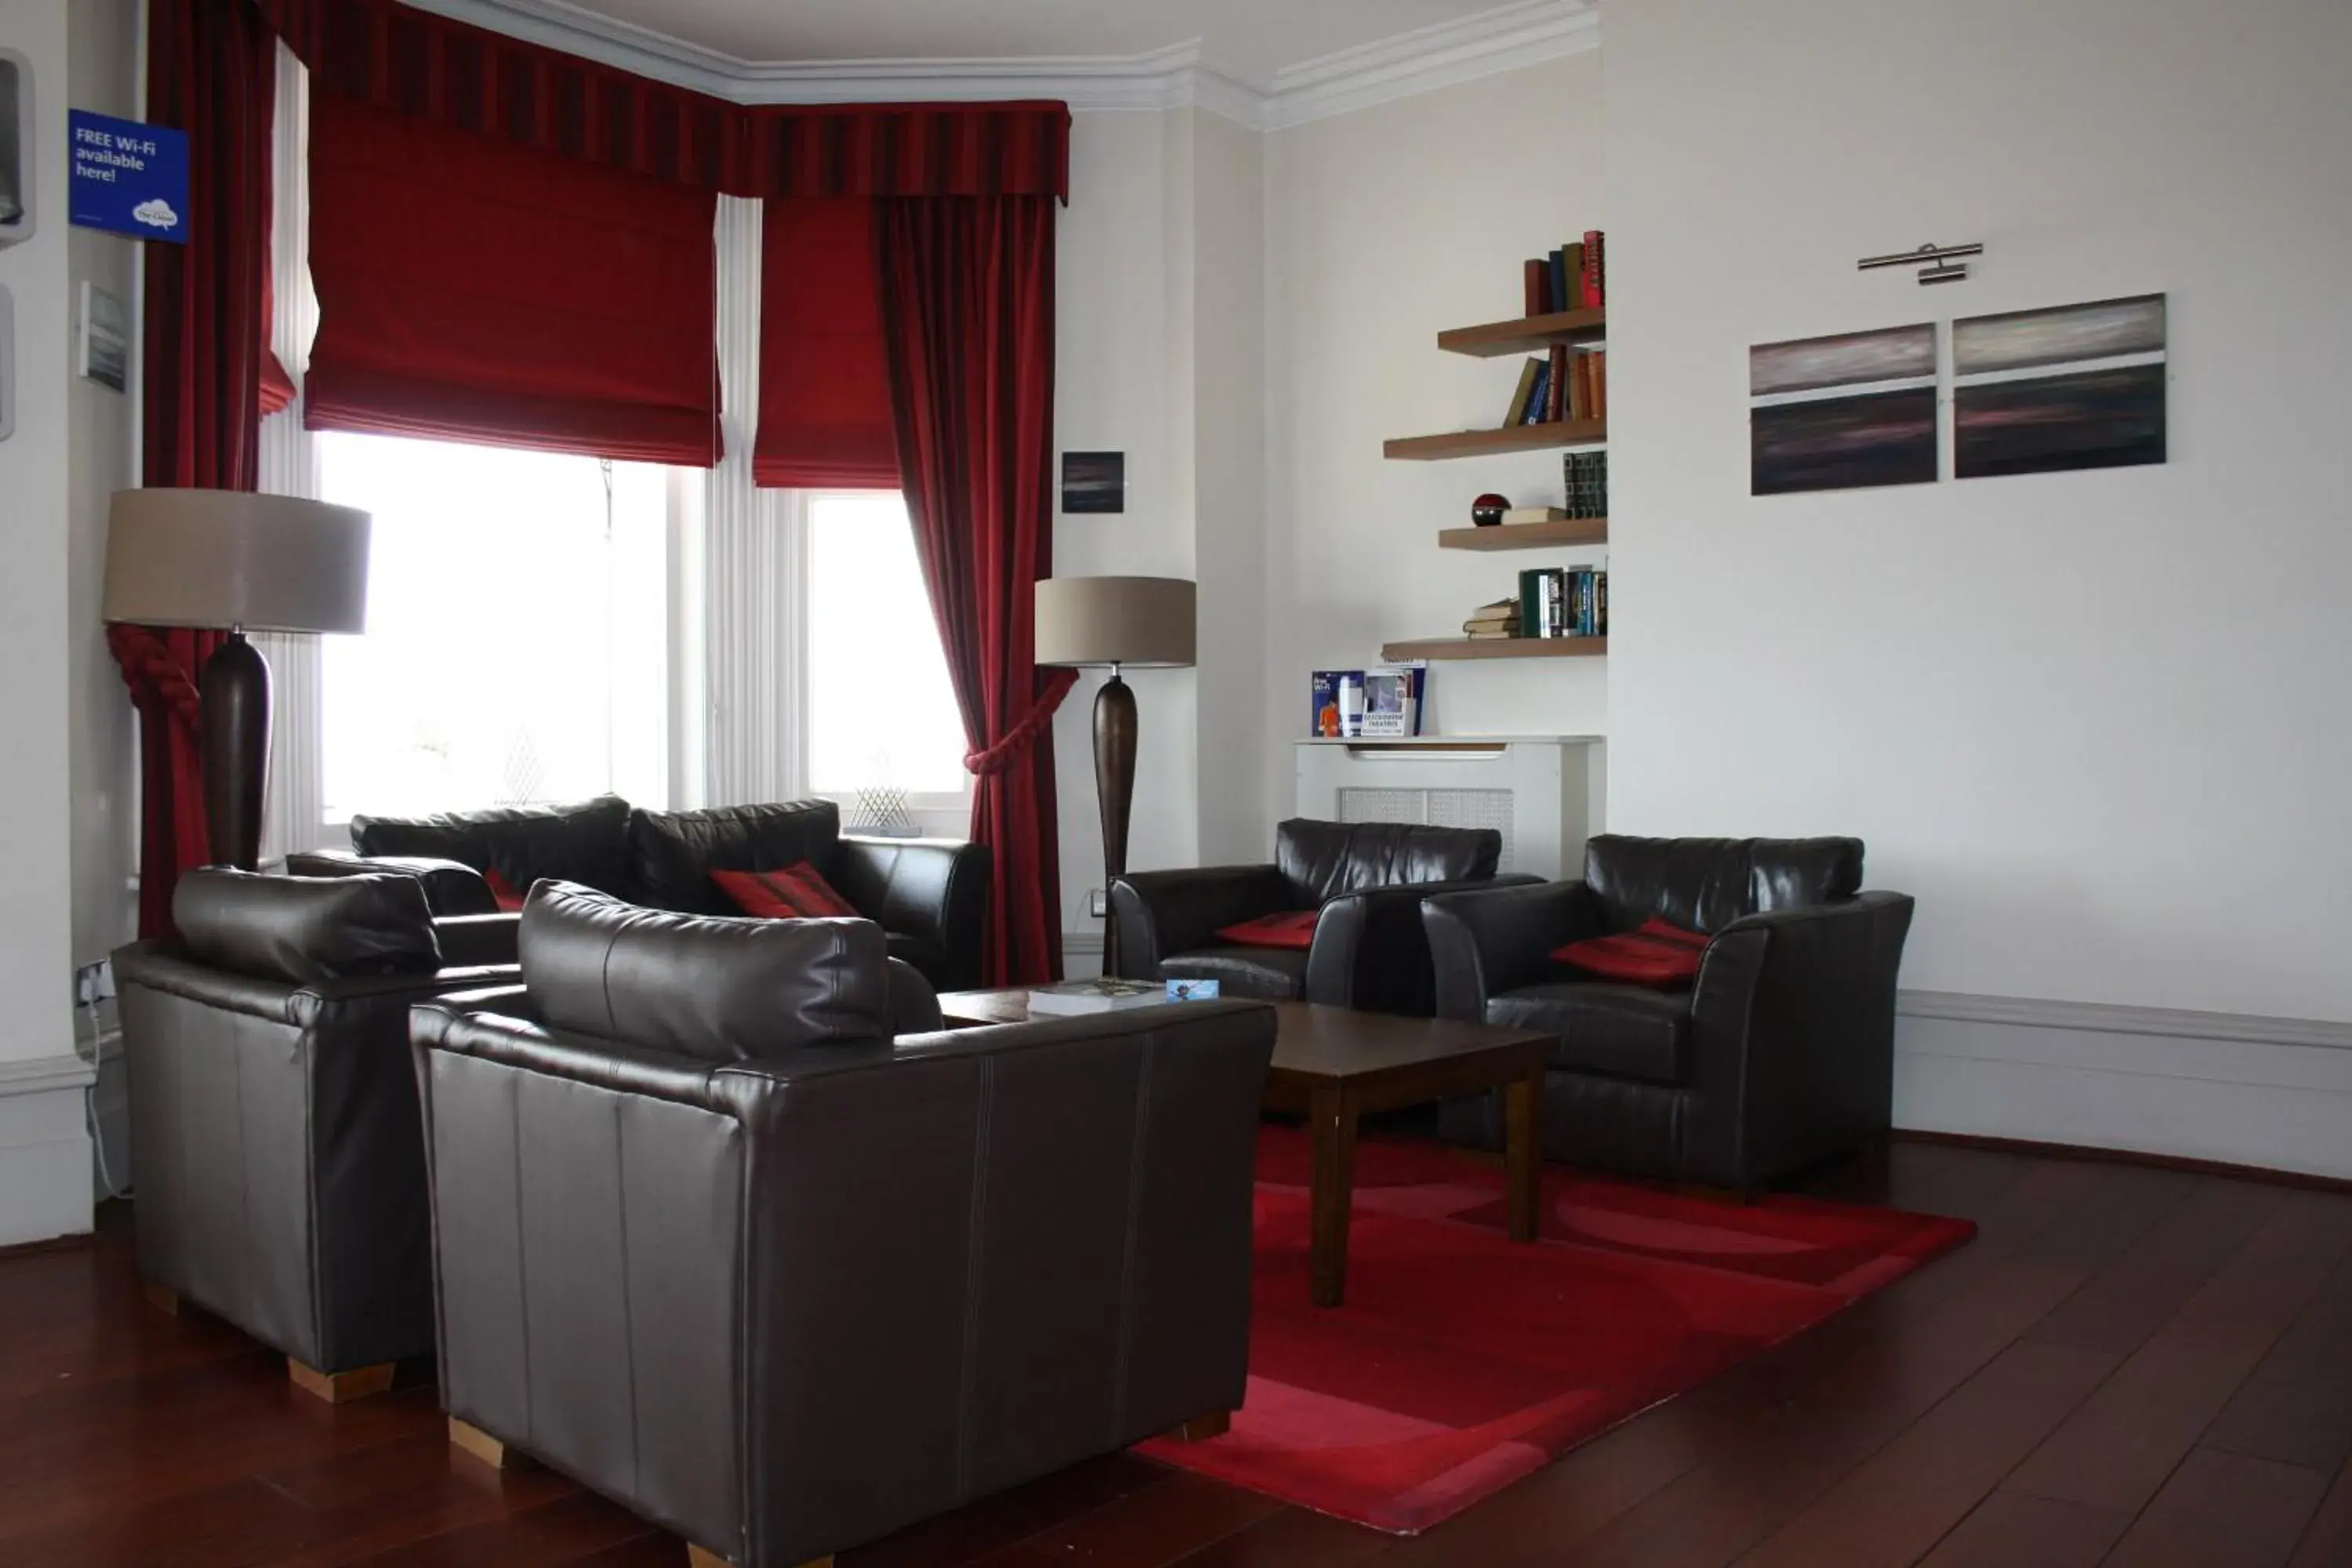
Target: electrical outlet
[[88, 983], [1097, 902]]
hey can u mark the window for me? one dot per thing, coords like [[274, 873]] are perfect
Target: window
[[515, 649], [882, 710]]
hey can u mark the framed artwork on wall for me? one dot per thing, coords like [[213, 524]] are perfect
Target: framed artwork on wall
[[1094, 482], [1839, 412], [2075, 386]]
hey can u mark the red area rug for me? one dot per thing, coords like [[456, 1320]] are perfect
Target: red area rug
[[1461, 1360]]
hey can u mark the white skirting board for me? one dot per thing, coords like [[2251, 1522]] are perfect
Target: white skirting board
[[45, 1159], [2269, 1092]]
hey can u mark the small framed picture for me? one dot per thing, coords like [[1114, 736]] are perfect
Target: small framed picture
[[1094, 482], [105, 338]]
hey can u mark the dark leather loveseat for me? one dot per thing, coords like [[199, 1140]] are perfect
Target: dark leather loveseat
[[1780, 1055], [708, 1241], [1365, 880], [930, 895], [274, 1130]]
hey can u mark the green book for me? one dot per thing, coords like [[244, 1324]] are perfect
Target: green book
[[1517, 414]]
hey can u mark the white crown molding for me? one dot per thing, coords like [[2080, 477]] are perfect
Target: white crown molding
[[1180, 76]]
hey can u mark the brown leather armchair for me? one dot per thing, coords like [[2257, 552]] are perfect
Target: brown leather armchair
[[274, 1130], [1365, 880], [1781, 1053], [709, 1241]]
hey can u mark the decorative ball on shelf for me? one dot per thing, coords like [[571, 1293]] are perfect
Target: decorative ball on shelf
[[1488, 510]]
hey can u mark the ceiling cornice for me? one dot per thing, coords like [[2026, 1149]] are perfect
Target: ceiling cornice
[[1178, 77]]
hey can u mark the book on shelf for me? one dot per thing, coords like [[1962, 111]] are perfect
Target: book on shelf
[[1516, 413], [1564, 602], [1074, 998], [1586, 477], [1571, 287], [1567, 279], [1535, 514], [1538, 394], [1538, 281], [1593, 269], [1555, 384], [1559, 275], [1499, 620]]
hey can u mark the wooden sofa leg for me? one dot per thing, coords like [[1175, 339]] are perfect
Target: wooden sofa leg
[[471, 1440], [163, 1298], [702, 1557], [1201, 1428], [339, 1387]]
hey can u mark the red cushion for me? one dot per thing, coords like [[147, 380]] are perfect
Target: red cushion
[[1294, 929], [1657, 954], [503, 892], [797, 892]]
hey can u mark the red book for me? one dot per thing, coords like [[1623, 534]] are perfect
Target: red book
[[1537, 278], [1595, 274], [1556, 397]]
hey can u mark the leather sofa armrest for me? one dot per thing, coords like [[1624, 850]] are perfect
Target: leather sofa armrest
[[933, 889], [1490, 940], [451, 886], [1162, 913], [1371, 947], [1793, 1034], [469, 942]]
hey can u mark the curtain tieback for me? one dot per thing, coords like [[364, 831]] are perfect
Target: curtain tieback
[[151, 669], [996, 759]]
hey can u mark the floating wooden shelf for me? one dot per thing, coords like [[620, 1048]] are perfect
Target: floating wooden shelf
[[1495, 648], [1509, 439], [1528, 535], [1529, 334]]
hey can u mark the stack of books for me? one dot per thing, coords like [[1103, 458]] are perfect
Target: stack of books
[[1568, 384], [1564, 602], [1587, 477], [1499, 620], [1573, 278]]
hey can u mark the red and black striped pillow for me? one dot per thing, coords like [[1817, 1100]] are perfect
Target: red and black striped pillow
[[797, 892], [1656, 954]]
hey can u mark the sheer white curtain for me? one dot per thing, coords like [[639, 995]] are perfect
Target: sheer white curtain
[[295, 817], [752, 568]]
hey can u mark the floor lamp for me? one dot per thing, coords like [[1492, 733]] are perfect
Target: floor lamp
[[1088, 622], [230, 561]]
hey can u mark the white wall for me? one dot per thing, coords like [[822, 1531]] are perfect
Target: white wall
[[104, 456], [2092, 721], [44, 1183], [1383, 227]]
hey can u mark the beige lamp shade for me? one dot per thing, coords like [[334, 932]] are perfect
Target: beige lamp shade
[[227, 559], [1142, 621]]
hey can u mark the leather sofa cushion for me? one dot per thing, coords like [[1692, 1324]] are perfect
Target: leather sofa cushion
[[581, 843], [672, 853], [1261, 973], [1623, 1031], [716, 989], [1292, 929], [1704, 884], [1321, 860], [304, 930]]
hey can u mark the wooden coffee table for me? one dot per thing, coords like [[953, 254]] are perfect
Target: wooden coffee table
[[1337, 1066]]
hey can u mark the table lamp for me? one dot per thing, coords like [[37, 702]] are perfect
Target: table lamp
[[1147, 622], [235, 562]]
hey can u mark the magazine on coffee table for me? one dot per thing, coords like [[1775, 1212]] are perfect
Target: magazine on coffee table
[[1073, 998]]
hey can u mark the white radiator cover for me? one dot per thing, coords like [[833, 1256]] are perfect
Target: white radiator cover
[[1545, 793]]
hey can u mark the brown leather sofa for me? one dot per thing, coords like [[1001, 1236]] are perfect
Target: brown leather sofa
[[274, 1130], [930, 895], [1781, 1053], [709, 1242], [1364, 880]]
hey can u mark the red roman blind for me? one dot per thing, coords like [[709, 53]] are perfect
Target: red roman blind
[[472, 288], [824, 389]]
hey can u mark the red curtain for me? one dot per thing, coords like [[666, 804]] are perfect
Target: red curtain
[[824, 386], [967, 288], [211, 71], [425, 67], [470, 290]]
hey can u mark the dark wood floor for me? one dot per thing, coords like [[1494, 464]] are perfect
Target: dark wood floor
[[2130, 1367]]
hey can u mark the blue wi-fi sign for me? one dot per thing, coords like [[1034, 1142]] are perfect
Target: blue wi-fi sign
[[128, 177]]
